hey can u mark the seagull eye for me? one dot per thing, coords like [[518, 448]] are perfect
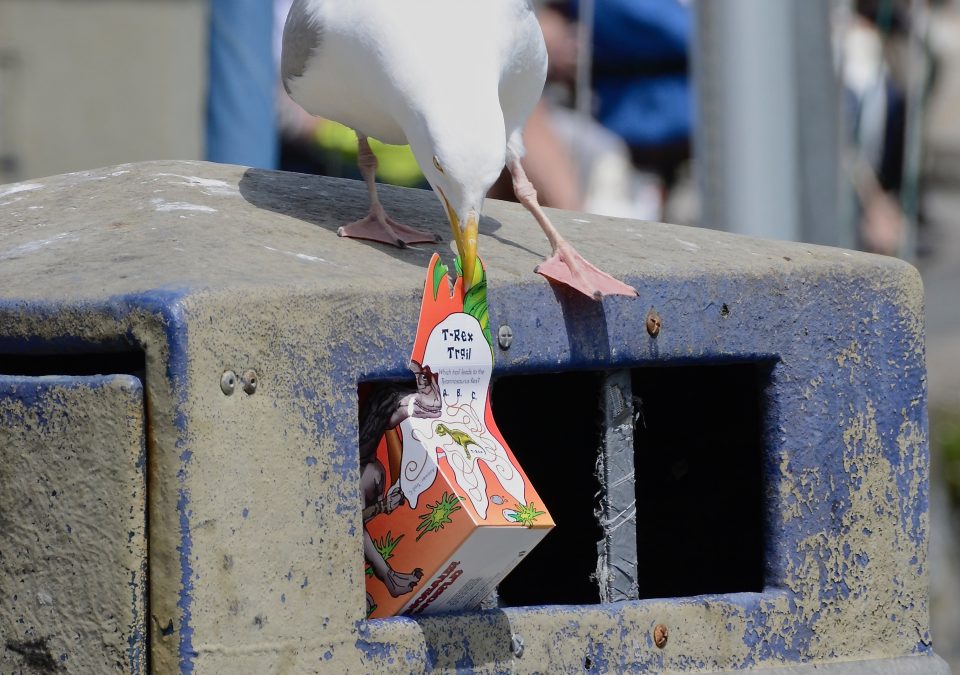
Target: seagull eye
[[436, 164]]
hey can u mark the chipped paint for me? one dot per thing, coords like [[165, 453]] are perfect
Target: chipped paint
[[7, 190], [845, 465], [209, 186], [31, 246], [164, 206], [299, 256]]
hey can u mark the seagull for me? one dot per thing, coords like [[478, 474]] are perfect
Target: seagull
[[456, 79]]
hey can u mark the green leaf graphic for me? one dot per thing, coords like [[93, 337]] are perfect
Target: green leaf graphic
[[475, 300], [385, 545], [438, 514], [526, 514], [439, 271], [475, 304]]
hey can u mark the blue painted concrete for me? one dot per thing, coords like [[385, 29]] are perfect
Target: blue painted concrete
[[797, 328], [165, 303]]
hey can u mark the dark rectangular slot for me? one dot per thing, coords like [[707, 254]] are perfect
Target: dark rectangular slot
[[125, 362], [553, 425], [699, 484]]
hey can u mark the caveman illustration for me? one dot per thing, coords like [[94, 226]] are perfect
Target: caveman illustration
[[384, 410]]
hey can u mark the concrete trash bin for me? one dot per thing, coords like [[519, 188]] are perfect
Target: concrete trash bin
[[736, 460]]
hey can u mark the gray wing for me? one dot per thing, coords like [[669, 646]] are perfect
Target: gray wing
[[302, 35]]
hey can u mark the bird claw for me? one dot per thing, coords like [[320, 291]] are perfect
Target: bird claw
[[567, 266], [386, 230]]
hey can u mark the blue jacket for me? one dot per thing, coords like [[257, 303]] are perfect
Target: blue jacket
[[641, 69]]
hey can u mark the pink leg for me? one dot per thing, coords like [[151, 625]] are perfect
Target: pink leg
[[378, 226], [564, 265]]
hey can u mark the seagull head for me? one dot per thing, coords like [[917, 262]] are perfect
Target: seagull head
[[461, 151]]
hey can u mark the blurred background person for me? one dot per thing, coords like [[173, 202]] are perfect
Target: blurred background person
[[875, 107], [640, 74], [623, 157]]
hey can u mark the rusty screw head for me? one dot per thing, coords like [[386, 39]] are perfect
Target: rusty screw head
[[660, 636], [653, 323], [228, 382], [249, 381]]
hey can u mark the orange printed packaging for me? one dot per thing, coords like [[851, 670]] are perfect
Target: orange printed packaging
[[448, 511]]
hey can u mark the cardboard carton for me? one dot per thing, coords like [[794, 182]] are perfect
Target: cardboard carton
[[448, 511]]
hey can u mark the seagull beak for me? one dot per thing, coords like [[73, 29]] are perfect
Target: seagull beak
[[468, 256], [466, 239]]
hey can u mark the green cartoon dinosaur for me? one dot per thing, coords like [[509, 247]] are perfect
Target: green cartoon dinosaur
[[461, 438]]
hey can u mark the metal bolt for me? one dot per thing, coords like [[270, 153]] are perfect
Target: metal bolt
[[249, 380], [228, 382], [516, 644], [653, 323], [660, 636], [505, 336]]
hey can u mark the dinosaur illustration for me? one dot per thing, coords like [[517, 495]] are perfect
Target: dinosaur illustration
[[461, 438]]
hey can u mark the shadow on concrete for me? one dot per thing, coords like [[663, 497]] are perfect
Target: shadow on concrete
[[510, 242], [332, 202], [585, 321]]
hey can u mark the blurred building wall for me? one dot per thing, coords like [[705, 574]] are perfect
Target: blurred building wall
[[88, 83]]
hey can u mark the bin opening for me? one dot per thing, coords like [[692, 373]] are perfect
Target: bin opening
[[697, 454], [80, 363], [698, 444], [553, 424]]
